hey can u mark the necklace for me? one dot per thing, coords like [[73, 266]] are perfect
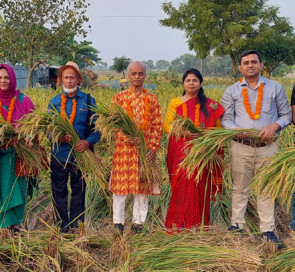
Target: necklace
[[63, 108]]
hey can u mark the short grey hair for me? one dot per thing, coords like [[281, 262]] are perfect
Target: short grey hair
[[144, 66]]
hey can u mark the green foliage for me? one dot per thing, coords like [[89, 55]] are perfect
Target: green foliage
[[211, 65], [173, 77], [218, 66], [82, 53], [214, 25], [230, 27], [149, 65], [33, 31], [282, 70], [120, 64], [275, 40], [185, 62], [162, 65]]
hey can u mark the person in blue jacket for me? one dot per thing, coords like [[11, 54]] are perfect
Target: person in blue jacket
[[73, 103]]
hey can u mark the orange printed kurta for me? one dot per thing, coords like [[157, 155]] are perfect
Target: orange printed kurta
[[125, 170]]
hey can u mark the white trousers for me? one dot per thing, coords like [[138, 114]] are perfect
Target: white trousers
[[140, 209]]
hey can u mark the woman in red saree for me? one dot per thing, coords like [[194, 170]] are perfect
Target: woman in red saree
[[190, 200]]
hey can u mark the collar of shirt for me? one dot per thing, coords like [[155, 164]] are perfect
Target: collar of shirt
[[245, 83]]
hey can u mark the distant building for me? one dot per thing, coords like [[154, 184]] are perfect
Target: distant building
[[46, 75], [43, 76]]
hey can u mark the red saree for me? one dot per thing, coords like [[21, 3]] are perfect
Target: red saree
[[190, 201]]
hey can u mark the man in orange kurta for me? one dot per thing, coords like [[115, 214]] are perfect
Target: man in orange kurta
[[125, 171]]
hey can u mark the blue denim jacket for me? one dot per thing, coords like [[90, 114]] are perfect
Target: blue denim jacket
[[61, 152]]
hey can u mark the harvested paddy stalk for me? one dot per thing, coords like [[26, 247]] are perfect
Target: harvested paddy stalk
[[52, 251], [51, 125], [278, 177], [111, 119], [194, 251], [180, 124], [204, 151], [31, 155], [282, 263]]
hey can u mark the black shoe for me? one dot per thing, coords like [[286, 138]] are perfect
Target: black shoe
[[139, 228], [119, 227], [65, 230], [269, 236], [15, 231], [235, 229]]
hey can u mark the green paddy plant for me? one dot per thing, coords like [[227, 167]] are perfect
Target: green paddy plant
[[112, 118]]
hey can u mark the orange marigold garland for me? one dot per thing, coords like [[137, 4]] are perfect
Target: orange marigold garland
[[74, 111], [247, 104], [63, 108], [197, 113], [146, 114], [10, 110], [184, 110]]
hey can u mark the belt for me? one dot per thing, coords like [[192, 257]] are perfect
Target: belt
[[251, 142]]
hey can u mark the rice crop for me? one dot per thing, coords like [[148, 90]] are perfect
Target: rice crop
[[44, 248]]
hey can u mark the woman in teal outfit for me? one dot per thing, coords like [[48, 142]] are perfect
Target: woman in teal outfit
[[13, 190]]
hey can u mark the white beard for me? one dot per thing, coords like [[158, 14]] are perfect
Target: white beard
[[69, 90]]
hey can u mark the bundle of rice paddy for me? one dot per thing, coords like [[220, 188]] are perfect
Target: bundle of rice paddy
[[51, 251], [180, 124], [31, 155], [113, 118], [195, 251], [51, 125], [203, 152]]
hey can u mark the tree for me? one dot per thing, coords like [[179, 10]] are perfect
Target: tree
[[162, 65], [82, 53], [214, 25], [120, 64], [149, 65], [275, 41], [185, 62], [100, 65], [218, 66], [35, 30]]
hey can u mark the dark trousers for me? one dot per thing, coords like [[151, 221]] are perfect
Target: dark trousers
[[59, 181]]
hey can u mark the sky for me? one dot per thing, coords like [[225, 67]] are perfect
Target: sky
[[131, 28]]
